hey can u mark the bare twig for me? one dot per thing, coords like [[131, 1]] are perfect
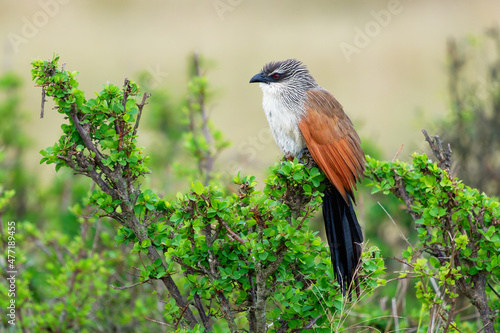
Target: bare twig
[[182, 315], [158, 322], [131, 286], [42, 111], [231, 232], [443, 156], [397, 153], [140, 106], [306, 215], [395, 225], [493, 289]]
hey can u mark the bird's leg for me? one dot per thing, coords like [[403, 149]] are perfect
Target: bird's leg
[[304, 151]]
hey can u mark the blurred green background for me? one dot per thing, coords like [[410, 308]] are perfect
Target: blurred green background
[[395, 82]]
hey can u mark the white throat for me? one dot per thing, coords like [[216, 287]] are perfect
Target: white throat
[[283, 118]]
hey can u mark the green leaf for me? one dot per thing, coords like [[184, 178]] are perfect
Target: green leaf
[[198, 188], [146, 243], [157, 262], [434, 262], [263, 255]]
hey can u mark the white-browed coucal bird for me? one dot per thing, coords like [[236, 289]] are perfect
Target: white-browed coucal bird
[[303, 115]]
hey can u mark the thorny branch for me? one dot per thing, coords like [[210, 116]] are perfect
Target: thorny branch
[[474, 290], [442, 155], [119, 186], [231, 232], [140, 106]]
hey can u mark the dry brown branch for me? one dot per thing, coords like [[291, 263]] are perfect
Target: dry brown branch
[[231, 232]]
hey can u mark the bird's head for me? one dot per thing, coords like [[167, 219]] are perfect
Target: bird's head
[[288, 74]]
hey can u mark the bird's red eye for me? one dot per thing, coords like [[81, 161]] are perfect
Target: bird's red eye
[[276, 76]]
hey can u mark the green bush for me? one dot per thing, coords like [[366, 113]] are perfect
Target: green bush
[[244, 260]]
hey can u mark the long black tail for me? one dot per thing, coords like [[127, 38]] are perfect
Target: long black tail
[[344, 237]]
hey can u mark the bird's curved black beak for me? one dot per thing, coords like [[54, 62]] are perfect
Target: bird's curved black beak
[[259, 78]]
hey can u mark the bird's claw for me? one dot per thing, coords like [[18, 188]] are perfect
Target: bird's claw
[[304, 157]]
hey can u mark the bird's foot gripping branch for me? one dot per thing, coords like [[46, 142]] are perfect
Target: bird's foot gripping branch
[[246, 260]]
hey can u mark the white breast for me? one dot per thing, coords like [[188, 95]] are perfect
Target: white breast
[[283, 120]]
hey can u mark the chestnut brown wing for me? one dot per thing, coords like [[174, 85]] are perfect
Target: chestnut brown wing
[[332, 141]]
